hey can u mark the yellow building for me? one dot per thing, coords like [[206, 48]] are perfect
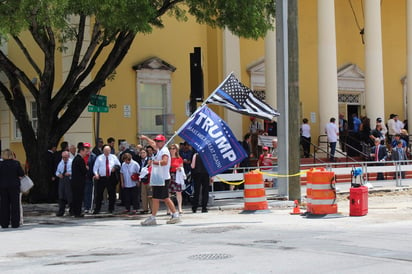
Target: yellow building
[[338, 73]]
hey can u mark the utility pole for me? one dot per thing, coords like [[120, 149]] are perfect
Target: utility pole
[[294, 102], [288, 98]]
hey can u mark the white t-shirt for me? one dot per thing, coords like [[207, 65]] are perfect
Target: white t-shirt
[[127, 170], [306, 130], [392, 130], [332, 131], [158, 157], [399, 126]]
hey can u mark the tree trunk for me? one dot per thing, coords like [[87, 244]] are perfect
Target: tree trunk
[[39, 171]]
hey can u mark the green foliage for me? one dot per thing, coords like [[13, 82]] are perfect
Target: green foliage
[[248, 18], [245, 18]]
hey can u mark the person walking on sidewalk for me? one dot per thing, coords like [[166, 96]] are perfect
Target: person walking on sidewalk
[[163, 160]]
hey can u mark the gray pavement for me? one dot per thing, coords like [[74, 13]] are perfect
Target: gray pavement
[[221, 241]]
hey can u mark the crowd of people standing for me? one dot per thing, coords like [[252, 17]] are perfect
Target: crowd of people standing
[[84, 179]]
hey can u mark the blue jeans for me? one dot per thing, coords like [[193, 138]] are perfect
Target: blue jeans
[[332, 150]]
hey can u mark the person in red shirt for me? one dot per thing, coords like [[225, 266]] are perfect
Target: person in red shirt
[[175, 166], [265, 159]]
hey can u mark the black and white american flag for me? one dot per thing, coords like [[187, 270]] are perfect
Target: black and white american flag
[[235, 96]]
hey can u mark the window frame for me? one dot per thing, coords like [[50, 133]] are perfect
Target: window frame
[[155, 77]]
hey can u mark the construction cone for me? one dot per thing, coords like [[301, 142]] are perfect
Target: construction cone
[[296, 209]]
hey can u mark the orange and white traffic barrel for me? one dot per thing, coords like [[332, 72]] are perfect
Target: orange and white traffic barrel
[[254, 193], [321, 193]]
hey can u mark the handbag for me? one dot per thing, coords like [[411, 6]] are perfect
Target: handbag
[[26, 184], [156, 176], [134, 177], [180, 176]]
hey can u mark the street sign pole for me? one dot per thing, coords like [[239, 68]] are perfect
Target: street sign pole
[[97, 126]]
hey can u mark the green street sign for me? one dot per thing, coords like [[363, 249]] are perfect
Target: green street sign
[[97, 108], [98, 100]]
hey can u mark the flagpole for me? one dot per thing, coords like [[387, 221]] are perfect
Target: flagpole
[[197, 110]]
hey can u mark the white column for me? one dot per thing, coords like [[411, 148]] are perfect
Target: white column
[[270, 68], [374, 90], [327, 68], [231, 62], [409, 59]]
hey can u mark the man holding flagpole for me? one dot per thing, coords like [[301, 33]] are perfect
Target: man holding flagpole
[[162, 159]]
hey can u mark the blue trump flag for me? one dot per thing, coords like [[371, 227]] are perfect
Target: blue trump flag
[[209, 135]]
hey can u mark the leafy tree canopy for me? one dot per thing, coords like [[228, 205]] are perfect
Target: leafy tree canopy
[[247, 18]]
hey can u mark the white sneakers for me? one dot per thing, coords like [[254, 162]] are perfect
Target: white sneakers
[[173, 220], [149, 221], [152, 221]]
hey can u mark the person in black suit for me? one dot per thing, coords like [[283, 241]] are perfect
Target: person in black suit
[[379, 155], [201, 179], [78, 181], [52, 189], [10, 174], [246, 146], [98, 149]]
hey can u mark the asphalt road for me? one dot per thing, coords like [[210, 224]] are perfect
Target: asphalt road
[[221, 241]]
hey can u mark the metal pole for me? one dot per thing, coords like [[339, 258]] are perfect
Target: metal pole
[[282, 93], [97, 126]]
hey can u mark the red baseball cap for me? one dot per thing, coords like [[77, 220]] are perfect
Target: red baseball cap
[[265, 148], [160, 137], [87, 145]]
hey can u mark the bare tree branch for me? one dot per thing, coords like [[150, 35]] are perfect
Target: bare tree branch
[[81, 99], [79, 43], [5, 91], [27, 55], [12, 71], [62, 96]]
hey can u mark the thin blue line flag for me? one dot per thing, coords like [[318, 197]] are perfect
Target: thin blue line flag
[[211, 137], [235, 96]]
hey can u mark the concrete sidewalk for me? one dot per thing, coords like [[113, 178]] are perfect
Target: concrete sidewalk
[[234, 203]]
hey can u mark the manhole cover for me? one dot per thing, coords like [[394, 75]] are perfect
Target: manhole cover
[[218, 229], [210, 256]]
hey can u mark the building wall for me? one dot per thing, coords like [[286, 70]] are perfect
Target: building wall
[[172, 44]]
